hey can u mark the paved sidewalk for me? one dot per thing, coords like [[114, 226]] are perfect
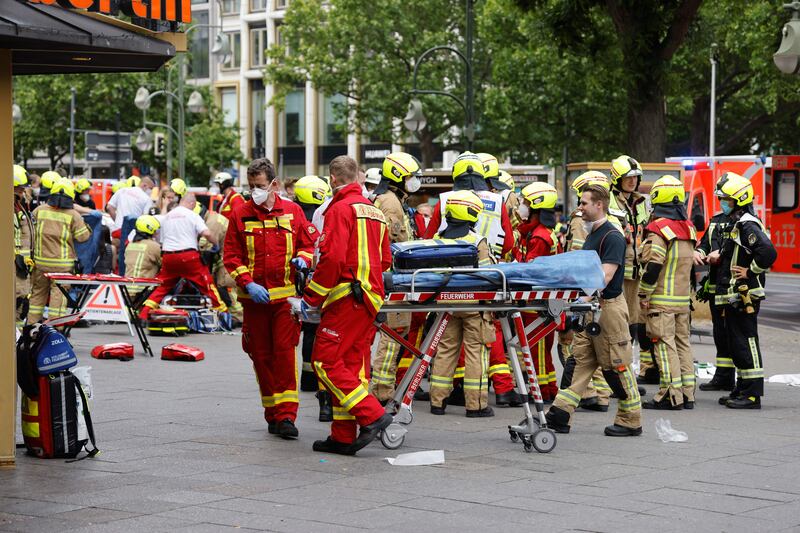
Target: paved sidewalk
[[185, 448]]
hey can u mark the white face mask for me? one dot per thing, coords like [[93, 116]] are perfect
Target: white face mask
[[35, 191], [365, 193], [413, 184], [259, 196], [523, 211], [85, 197]]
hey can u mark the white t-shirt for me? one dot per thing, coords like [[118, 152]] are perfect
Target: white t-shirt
[[180, 229], [130, 201]]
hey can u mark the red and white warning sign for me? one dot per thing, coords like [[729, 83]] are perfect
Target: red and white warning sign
[[106, 303]]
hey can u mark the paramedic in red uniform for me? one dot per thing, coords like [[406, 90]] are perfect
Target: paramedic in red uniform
[[347, 287], [267, 237], [231, 199], [180, 230]]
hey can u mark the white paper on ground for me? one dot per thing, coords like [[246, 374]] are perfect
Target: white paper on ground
[[430, 457], [787, 379], [667, 434], [704, 372]]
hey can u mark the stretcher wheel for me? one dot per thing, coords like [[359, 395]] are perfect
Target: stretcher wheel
[[544, 441], [593, 329], [527, 445], [514, 435], [393, 437]]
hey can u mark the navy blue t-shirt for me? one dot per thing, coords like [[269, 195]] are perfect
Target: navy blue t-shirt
[[609, 243]]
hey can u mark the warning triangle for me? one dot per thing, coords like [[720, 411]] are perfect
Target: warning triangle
[[105, 297]]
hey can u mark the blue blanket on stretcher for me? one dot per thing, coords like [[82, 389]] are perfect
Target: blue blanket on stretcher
[[580, 269]]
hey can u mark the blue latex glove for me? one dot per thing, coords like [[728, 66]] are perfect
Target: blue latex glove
[[259, 294], [299, 263]]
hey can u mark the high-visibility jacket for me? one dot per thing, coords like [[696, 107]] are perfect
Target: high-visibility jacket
[[260, 244], [396, 218], [493, 222], [230, 201], [633, 215], [719, 229], [56, 230], [142, 258], [748, 246], [668, 256], [511, 201], [535, 240], [23, 230], [354, 250], [576, 234]]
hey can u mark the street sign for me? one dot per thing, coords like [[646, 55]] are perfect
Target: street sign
[[108, 139], [101, 155]]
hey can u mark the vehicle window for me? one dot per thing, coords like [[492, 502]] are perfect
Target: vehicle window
[[784, 189]]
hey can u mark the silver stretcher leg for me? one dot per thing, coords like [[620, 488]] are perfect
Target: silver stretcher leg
[[533, 431], [400, 405]]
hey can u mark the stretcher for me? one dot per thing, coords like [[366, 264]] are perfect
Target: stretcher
[[553, 287], [86, 282], [507, 300]]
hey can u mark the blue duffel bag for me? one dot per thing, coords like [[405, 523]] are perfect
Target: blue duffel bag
[[433, 253]]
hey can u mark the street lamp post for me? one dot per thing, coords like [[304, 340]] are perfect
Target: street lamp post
[[415, 119], [787, 58], [713, 111]]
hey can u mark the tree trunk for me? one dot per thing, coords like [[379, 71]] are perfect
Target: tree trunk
[[647, 124], [426, 147], [698, 133]]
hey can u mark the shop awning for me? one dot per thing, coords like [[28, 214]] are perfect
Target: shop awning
[[53, 40]]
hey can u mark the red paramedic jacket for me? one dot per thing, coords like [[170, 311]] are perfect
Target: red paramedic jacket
[[259, 245], [535, 240], [230, 201], [354, 246]]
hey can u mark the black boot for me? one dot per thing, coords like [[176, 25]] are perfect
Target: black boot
[[592, 404], [621, 431], [687, 403], [325, 406], [286, 429], [421, 395], [331, 446], [716, 384], [744, 402], [557, 420], [486, 412], [457, 396], [650, 377], [507, 399], [369, 432], [664, 405]]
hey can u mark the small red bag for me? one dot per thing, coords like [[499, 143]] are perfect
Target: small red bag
[[117, 350], [181, 352]]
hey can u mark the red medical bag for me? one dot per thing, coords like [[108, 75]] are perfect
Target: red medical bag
[[181, 352], [117, 350]]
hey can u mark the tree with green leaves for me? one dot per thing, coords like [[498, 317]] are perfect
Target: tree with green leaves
[[105, 102], [366, 51]]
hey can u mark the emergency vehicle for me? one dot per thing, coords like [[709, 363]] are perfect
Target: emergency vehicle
[[776, 185]]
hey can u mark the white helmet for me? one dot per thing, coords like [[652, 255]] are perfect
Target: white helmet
[[373, 176], [222, 177]]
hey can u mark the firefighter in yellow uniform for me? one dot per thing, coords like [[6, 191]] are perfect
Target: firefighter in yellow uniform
[[472, 330], [23, 242], [668, 256], [597, 394], [57, 227], [218, 225], [399, 174], [630, 208], [143, 255]]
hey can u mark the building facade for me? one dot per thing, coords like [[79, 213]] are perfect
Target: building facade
[[303, 137]]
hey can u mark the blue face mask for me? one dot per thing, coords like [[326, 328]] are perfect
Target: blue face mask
[[726, 207]]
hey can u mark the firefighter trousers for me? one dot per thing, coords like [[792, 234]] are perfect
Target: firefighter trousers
[[662, 329], [384, 366], [22, 292], [726, 370], [183, 265], [45, 293], [270, 335], [542, 354], [611, 351], [742, 330], [499, 371], [685, 356], [341, 361], [475, 331], [308, 378]]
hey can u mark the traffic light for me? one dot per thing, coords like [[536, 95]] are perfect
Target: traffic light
[[160, 145]]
